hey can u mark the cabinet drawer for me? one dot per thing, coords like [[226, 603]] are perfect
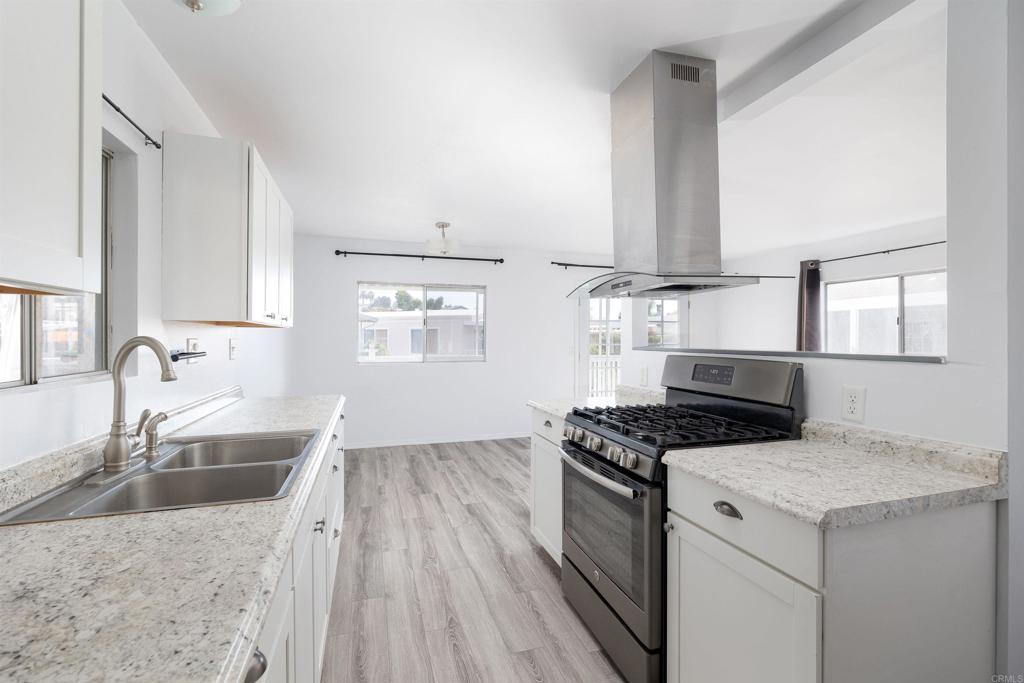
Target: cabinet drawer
[[548, 426], [792, 546]]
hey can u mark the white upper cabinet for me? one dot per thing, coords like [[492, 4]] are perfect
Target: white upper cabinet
[[227, 235], [50, 146]]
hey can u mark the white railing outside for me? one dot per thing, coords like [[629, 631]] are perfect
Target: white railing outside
[[604, 375]]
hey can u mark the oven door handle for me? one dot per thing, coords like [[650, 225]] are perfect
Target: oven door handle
[[608, 484]]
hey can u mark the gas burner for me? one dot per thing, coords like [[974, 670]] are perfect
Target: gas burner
[[667, 427]]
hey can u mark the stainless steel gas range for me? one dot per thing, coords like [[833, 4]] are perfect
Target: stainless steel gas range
[[613, 490]]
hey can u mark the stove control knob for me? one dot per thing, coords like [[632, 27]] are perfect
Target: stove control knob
[[594, 442], [630, 461], [567, 431], [615, 454], [577, 434]]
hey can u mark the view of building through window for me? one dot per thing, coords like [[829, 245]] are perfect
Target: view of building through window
[[420, 323], [663, 322], [605, 345], [10, 338], [68, 335], [864, 316]]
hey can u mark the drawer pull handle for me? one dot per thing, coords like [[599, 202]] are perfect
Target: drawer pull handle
[[319, 526], [334, 468], [337, 532], [728, 509], [257, 667], [668, 527], [547, 423]]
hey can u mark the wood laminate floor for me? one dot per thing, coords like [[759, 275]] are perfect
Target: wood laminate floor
[[440, 580]]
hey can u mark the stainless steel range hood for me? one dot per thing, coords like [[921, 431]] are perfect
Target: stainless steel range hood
[[665, 205]]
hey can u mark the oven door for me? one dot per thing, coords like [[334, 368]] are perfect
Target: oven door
[[611, 532]]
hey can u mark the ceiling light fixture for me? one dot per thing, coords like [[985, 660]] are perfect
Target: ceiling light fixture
[[442, 246], [211, 8]]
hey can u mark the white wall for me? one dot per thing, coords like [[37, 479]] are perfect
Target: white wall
[[529, 341], [36, 420], [964, 400], [1012, 518]]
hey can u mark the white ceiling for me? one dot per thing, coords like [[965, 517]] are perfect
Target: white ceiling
[[379, 117]]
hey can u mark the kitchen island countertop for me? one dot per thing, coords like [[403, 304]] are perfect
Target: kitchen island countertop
[[838, 475]]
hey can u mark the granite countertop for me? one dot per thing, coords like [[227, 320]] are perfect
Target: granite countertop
[[559, 407], [624, 395], [177, 595], [839, 476]]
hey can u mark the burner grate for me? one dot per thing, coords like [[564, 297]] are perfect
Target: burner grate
[[673, 426]]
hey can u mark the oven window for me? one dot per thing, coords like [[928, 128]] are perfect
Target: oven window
[[609, 529]]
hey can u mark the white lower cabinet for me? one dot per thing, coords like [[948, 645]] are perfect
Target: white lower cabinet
[[756, 595], [732, 617], [546, 485], [306, 656], [335, 514], [294, 633], [277, 640]]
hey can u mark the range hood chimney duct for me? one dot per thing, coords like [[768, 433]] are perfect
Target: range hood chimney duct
[[665, 200]]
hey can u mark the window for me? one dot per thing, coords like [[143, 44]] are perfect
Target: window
[[663, 322], [605, 346], [43, 337], [606, 326], [396, 326], [903, 314]]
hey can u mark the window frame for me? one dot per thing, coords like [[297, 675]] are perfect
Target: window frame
[[604, 321], [901, 344], [423, 288], [661, 321], [30, 370]]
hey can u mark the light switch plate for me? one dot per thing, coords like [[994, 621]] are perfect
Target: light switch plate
[[232, 349], [192, 344], [852, 407]]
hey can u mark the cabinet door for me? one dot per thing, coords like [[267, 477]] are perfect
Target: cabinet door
[[734, 618], [286, 273], [546, 507], [320, 590], [305, 656], [273, 267], [259, 191], [277, 638], [50, 145], [280, 652]]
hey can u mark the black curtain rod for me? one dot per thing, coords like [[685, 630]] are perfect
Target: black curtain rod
[[567, 266], [149, 140], [339, 252], [878, 253]]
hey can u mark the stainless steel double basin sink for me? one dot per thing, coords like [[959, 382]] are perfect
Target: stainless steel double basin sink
[[188, 472]]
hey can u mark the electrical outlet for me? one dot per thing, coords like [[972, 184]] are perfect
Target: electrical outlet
[[852, 408], [192, 344], [643, 375], [232, 349]]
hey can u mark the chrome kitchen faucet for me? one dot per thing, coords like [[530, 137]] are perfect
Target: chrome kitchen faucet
[[118, 449]]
